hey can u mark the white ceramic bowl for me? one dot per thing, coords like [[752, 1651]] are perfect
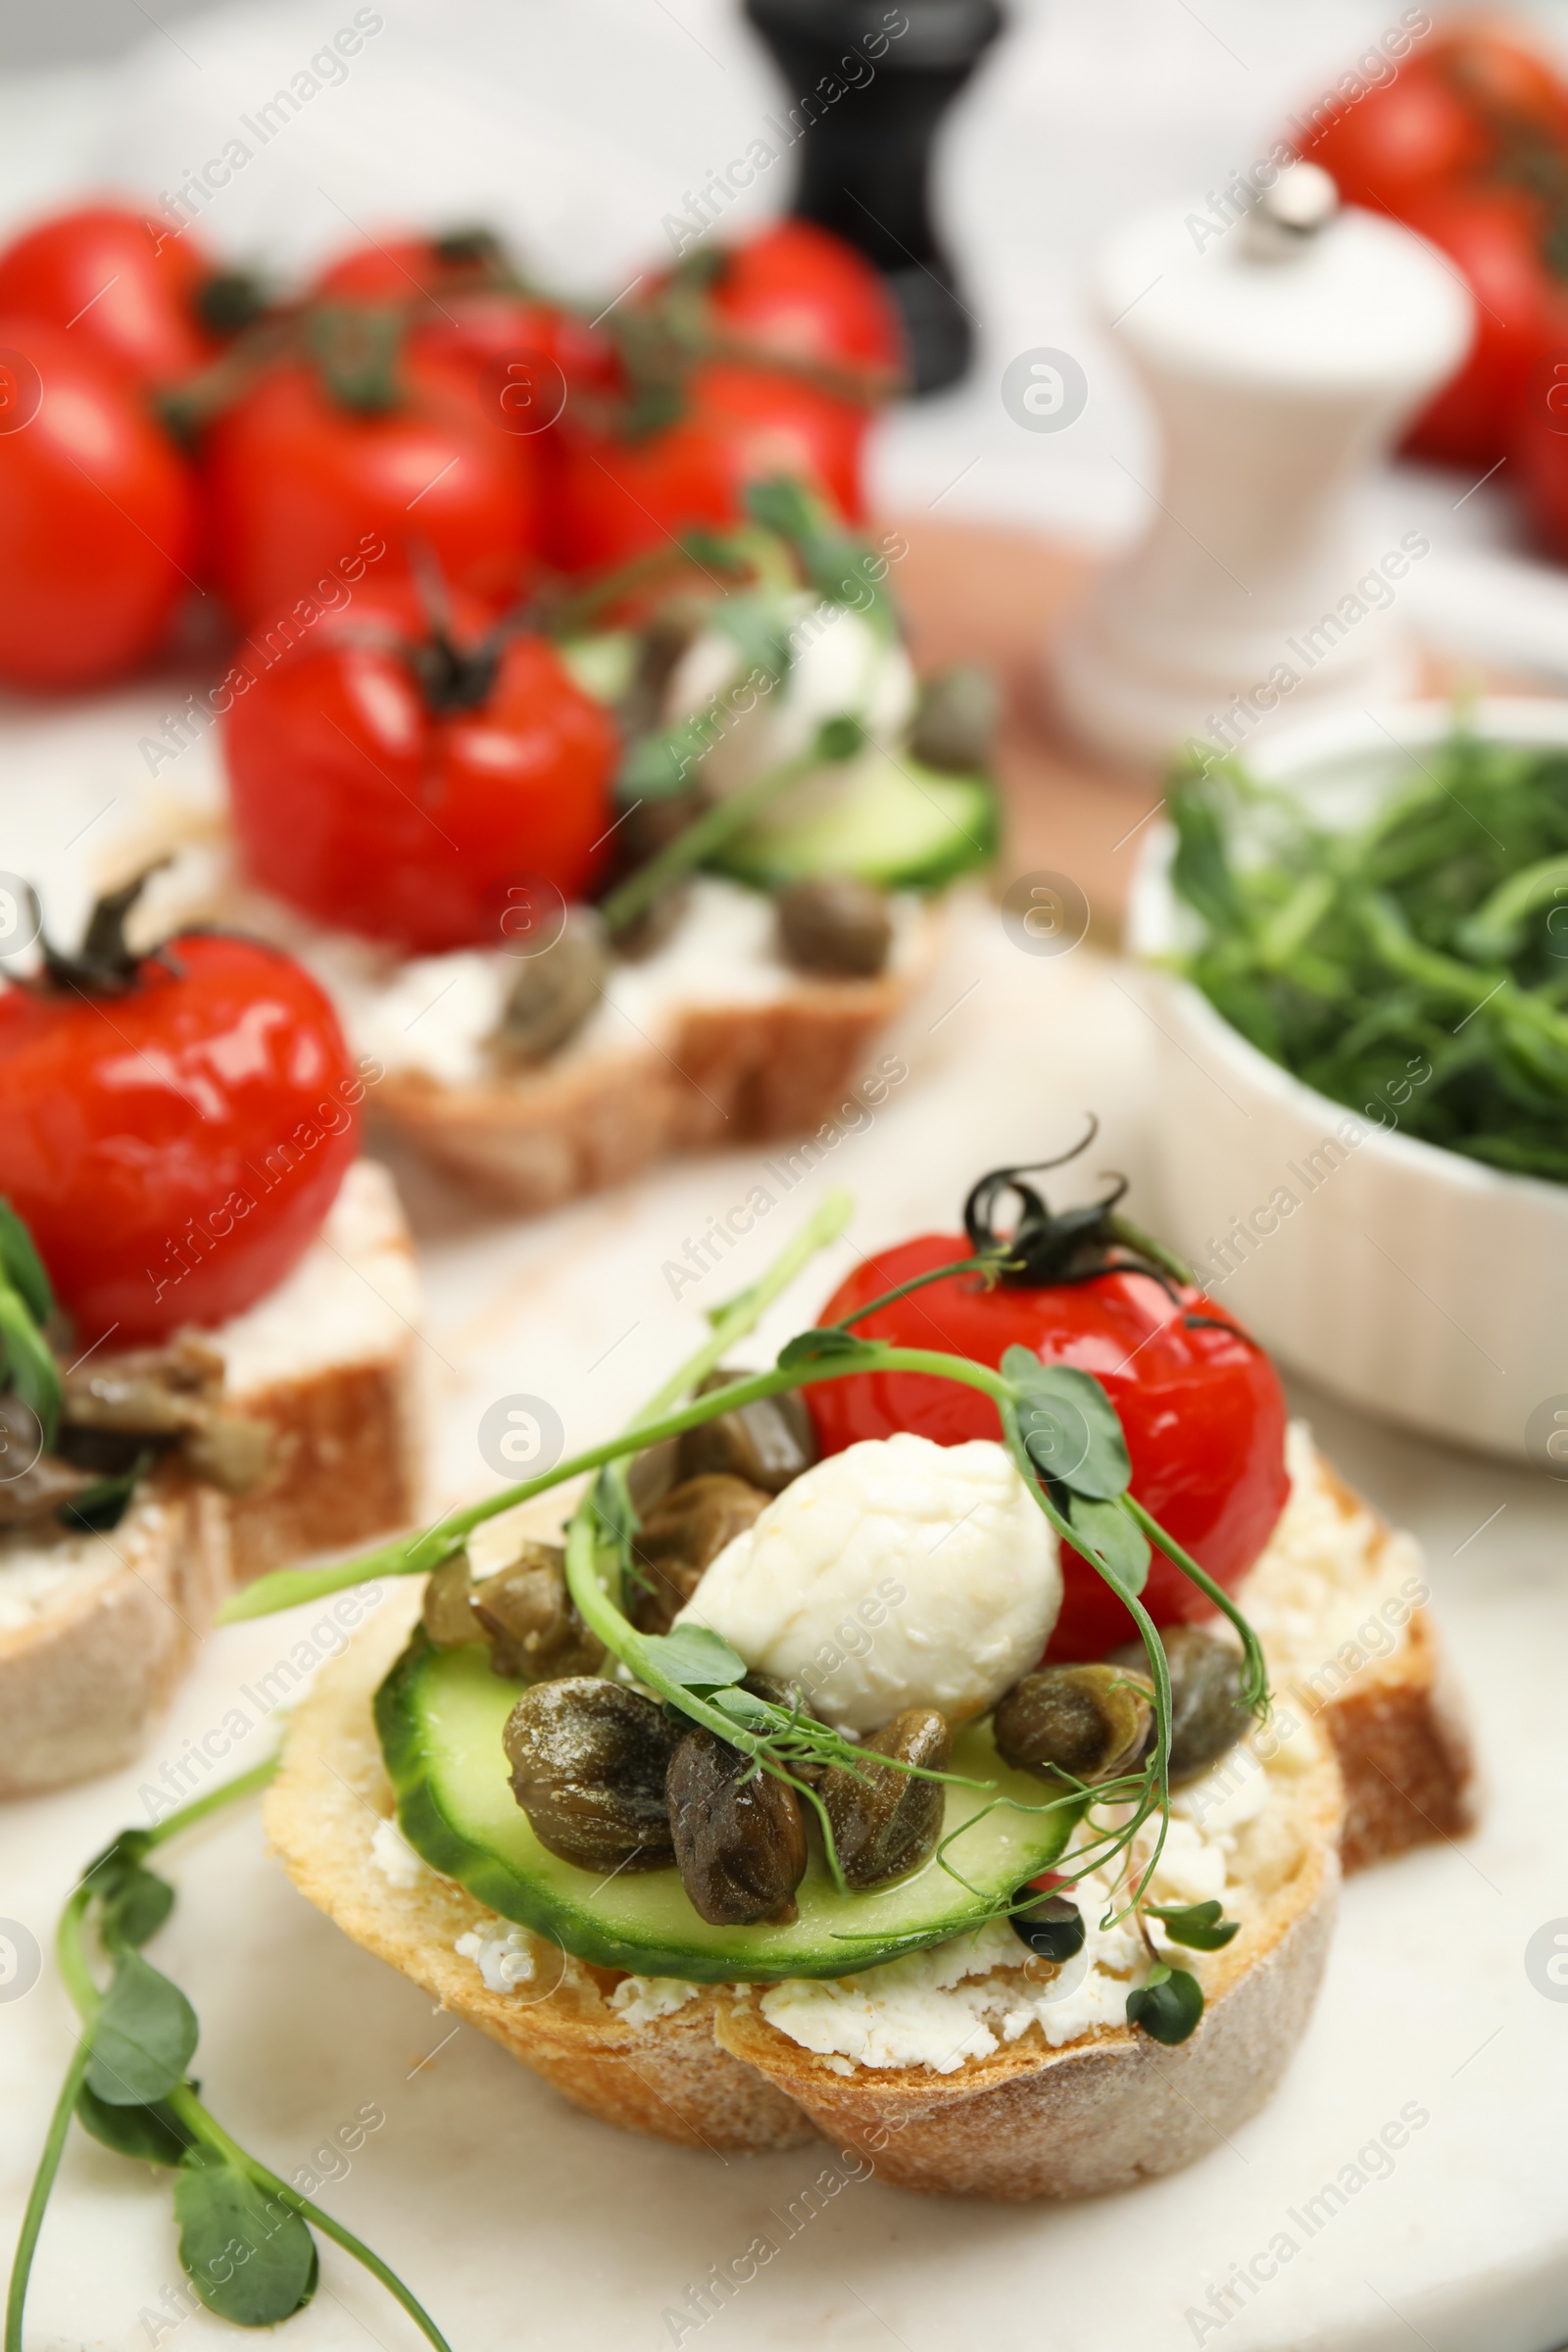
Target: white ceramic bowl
[[1406, 1278]]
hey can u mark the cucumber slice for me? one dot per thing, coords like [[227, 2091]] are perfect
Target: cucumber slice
[[440, 1715], [890, 822], [601, 664]]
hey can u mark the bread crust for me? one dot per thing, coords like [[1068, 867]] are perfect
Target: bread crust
[[1027, 2121], [80, 1687], [348, 1432], [1400, 1731], [733, 1074]]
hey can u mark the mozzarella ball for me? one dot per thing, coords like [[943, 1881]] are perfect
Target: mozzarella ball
[[840, 667], [897, 1574]]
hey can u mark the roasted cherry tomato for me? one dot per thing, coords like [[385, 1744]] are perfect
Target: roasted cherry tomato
[[1496, 237], [395, 782], [128, 289], [1539, 446], [175, 1146], [1403, 139], [617, 495], [97, 516], [300, 478], [1203, 1410], [799, 290]]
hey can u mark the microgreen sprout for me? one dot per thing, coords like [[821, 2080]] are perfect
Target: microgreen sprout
[[244, 2234]]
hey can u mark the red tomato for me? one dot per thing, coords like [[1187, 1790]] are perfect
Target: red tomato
[[125, 287], [617, 497], [1510, 87], [1405, 137], [804, 293], [1540, 447], [478, 323], [175, 1148], [97, 516], [357, 802], [386, 272], [1495, 234], [298, 482], [1202, 1413]]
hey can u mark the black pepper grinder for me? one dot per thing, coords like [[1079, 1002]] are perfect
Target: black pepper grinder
[[866, 152]]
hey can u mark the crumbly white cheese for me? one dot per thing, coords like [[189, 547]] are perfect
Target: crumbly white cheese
[[1328, 1577], [37, 1576], [977, 1993], [353, 1297], [896, 1574], [502, 1953], [395, 1858], [642, 1999], [841, 668]]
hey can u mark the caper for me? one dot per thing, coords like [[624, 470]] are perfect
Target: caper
[[1207, 1715], [738, 1837], [886, 1821], [554, 993], [651, 1474], [957, 720], [682, 1534], [1089, 1722], [646, 933], [34, 1484], [230, 1452], [835, 926], [589, 1762], [1052, 1927], [792, 1698], [767, 1443], [448, 1617], [531, 1620]]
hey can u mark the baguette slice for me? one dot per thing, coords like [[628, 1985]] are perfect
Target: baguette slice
[[96, 1630], [1340, 1601], [330, 1361], [1021, 2121], [732, 1074], [718, 1044]]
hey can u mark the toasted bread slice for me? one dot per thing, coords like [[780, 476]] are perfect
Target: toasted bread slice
[[330, 1361], [708, 1040], [96, 1630], [1340, 1601], [712, 2071], [730, 1074], [1014, 2117]]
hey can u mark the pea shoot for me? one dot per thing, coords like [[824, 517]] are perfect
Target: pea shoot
[[1413, 967], [244, 2234]]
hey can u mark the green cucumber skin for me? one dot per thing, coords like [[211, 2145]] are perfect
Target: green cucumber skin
[[771, 859], [554, 1899]]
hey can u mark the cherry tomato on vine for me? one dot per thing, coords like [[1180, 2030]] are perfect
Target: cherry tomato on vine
[[477, 321], [175, 1146], [97, 516], [300, 478], [127, 289], [1201, 1410], [798, 289], [388, 780], [1496, 237], [1403, 139], [618, 495]]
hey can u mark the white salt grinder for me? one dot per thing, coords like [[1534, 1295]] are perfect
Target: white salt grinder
[[1283, 355]]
